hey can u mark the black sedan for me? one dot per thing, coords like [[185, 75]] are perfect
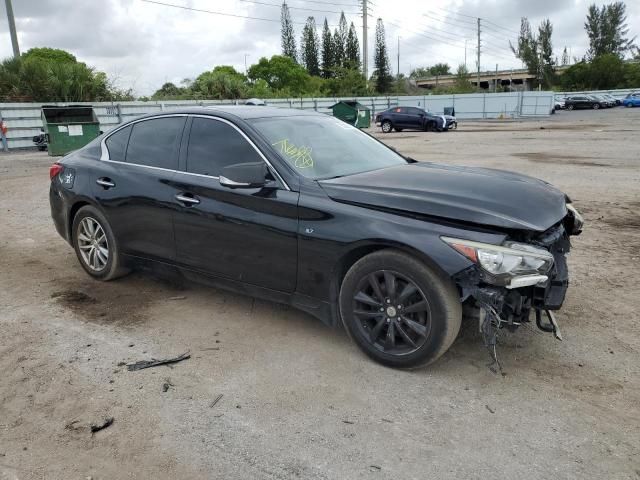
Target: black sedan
[[413, 118], [301, 208], [584, 101]]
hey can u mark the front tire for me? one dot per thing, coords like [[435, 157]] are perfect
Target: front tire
[[596, 106], [569, 107], [95, 245], [400, 312], [386, 126]]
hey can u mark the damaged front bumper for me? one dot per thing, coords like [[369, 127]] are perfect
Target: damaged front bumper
[[508, 302]]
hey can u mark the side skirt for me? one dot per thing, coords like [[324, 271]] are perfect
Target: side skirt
[[317, 308]]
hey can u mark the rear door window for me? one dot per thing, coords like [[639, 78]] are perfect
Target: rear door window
[[155, 142], [117, 144], [214, 145]]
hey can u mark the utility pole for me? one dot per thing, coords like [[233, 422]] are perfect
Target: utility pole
[[365, 49], [398, 57], [245, 62], [465, 53], [12, 29], [495, 81], [478, 74]]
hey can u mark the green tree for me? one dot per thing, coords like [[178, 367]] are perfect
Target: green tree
[[608, 31], [169, 91], [565, 57], [282, 74], [463, 84], [50, 54], [51, 75], [223, 82], [328, 56], [309, 47], [286, 32], [382, 71], [352, 49], [340, 42], [440, 69], [338, 50], [347, 82], [545, 48], [604, 72], [420, 72], [527, 48]]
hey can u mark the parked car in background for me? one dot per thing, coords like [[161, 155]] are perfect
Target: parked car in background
[[583, 101], [611, 98], [301, 208], [559, 103], [632, 100], [413, 118], [604, 101]]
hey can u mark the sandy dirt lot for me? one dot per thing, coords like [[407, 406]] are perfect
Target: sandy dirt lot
[[299, 400]]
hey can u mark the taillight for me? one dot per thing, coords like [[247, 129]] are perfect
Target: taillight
[[55, 169]]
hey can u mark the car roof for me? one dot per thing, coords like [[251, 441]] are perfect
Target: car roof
[[243, 112]]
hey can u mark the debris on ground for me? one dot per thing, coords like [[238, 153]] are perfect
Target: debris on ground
[[348, 422], [180, 297], [96, 428], [490, 409], [375, 467], [167, 385], [155, 363], [72, 425], [216, 400]]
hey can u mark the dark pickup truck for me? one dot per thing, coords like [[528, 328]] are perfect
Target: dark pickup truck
[[414, 118]]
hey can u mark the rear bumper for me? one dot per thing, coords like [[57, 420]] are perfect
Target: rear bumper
[[59, 212]]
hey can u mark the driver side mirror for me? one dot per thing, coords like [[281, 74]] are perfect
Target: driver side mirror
[[244, 175]]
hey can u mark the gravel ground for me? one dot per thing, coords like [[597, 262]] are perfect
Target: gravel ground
[[299, 400]]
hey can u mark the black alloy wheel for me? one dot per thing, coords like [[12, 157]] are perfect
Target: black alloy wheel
[[399, 311], [392, 311], [386, 126]]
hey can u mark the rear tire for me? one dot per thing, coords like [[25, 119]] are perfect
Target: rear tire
[[596, 106], [95, 245], [400, 312], [386, 126]]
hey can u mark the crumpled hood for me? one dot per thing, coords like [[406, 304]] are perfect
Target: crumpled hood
[[477, 195]]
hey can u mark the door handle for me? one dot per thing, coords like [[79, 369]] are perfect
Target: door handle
[[105, 182], [187, 199]]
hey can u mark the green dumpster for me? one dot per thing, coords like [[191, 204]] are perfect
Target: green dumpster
[[353, 113], [69, 128]]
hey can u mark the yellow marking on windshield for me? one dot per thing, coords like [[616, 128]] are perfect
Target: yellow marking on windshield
[[301, 156]]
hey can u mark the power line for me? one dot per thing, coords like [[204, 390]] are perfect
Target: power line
[[499, 26], [474, 17], [212, 12], [315, 2], [279, 5]]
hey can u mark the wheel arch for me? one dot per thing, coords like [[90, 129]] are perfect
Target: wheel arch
[[362, 249], [73, 211]]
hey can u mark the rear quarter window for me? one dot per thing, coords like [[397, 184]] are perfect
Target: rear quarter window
[[117, 144]]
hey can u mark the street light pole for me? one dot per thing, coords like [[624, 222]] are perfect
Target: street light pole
[[12, 29], [245, 62], [398, 57]]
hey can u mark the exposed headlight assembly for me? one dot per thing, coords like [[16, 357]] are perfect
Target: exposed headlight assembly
[[512, 264], [578, 221]]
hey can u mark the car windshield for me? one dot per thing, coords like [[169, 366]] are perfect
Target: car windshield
[[321, 147]]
